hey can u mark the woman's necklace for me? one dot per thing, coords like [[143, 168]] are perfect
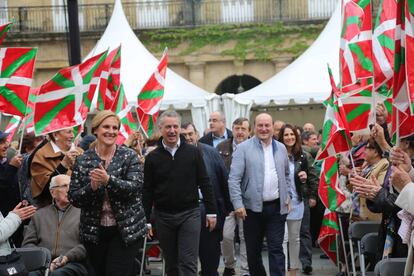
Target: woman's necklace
[[107, 158]]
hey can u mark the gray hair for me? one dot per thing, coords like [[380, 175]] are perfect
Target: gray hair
[[221, 114], [54, 181], [169, 114]]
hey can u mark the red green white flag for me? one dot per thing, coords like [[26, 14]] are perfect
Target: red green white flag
[[150, 97], [409, 51], [357, 107], [28, 120], [123, 110], [327, 234], [12, 127], [356, 41], [3, 31], [402, 120], [110, 81], [329, 191], [16, 73], [64, 101], [335, 134], [383, 42]]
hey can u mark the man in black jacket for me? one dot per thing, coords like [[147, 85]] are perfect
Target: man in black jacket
[[218, 131], [174, 174], [209, 252]]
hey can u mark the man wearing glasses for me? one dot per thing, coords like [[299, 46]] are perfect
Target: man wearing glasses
[[56, 227]]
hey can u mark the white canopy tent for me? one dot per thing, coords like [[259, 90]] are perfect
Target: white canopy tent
[[305, 81], [137, 65]]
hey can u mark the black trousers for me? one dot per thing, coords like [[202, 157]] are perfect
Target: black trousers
[[111, 256], [269, 223], [209, 252], [179, 236], [305, 253]]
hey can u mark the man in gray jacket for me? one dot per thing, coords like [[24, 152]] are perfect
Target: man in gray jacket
[[259, 186], [56, 227]]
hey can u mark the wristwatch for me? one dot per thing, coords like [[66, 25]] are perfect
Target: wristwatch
[[386, 154]]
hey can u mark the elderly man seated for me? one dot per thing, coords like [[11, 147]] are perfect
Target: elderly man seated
[[56, 227]]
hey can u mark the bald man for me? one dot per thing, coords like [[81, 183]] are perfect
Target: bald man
[[218, 131], [277, 126], [309, 127], [259, 184]]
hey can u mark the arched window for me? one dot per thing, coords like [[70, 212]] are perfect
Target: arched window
[[237, 84]]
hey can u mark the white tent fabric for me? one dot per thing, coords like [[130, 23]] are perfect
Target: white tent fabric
[[137, 65], [304, 81]]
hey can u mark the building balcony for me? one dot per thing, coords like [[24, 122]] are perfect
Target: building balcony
[[168, 14]]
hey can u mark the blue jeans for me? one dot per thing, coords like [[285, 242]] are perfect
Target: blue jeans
[[269, 223]]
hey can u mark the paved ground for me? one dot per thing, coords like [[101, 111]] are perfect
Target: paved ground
[[321, 267]]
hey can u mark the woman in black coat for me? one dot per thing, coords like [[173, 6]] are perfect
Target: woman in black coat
[[107, 184]]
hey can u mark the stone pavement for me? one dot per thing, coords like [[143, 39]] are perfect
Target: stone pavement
[[321, 267]]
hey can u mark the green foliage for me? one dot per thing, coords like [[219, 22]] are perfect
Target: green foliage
[[262, 41]]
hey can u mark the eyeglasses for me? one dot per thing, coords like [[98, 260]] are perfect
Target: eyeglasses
[[61, 186]]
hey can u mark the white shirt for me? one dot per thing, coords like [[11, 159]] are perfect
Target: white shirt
[[271, 181], [172, 150], [56, 148]]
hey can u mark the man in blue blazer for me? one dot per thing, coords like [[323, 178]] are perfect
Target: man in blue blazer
[[259, 184]]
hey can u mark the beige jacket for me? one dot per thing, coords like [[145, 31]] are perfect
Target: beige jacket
[[379, 171]]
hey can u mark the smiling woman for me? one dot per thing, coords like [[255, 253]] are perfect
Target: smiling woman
[[106, 184]]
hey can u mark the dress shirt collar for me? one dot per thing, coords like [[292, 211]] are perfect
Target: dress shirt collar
[[56, 148], [172, 149]]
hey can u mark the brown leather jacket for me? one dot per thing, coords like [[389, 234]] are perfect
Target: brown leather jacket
[[46, 163]]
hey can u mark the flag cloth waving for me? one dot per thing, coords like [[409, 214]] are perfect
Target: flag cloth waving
[[110, 81], [335, 135], [149, 100], [329, 191], [64, 101], [356, 41], [12, 127], [16, 72], [402, 119], [383, 43], [357, 107], [123, 110], [3, 31], [327, 234], [409, 51]]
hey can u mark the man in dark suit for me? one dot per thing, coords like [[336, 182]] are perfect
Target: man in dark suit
[[174, 176], [209, 250], [218, 131]]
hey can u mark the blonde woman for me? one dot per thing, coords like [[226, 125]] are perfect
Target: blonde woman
[[106, 185]]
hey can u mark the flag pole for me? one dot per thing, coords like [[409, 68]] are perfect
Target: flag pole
[[397, 127], [341, 230], [143, 130]]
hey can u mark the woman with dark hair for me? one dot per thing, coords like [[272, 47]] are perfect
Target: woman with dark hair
[[299, 172], [106, 185], [55, 157]]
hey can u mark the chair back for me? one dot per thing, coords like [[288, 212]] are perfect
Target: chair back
[[35, 258], [390, 267], [358, 229], [369, 244]]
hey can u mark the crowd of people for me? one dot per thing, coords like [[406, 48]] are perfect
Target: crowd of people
[[91, 202]]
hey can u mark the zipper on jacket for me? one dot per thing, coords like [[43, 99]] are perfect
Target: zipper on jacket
[[58, 228]]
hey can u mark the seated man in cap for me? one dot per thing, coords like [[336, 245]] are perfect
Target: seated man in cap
[[56, 227]]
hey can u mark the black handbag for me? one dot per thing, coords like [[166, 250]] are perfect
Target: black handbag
[[12, 264]]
